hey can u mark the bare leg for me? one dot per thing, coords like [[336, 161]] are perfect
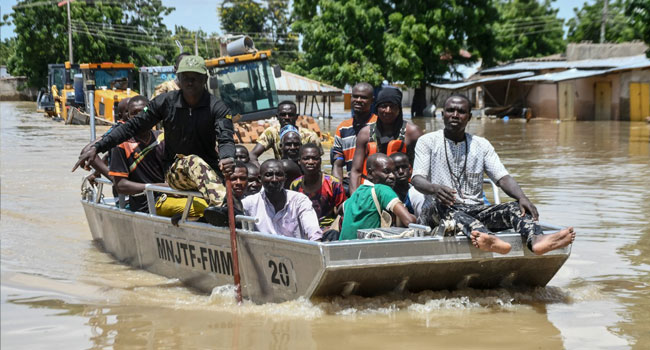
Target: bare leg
[[490, 243], [545, 243]]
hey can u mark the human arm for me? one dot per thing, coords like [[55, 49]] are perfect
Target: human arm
[[512, 189], [359, 158], [149, 117], [224, 130], [308, 220], [125, 186], [264, 142], [443, 194], [403, 214], [337, 158], [255, 153], [100, 165], [421, 172]]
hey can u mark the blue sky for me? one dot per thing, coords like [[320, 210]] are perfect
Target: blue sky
[[202, 14]]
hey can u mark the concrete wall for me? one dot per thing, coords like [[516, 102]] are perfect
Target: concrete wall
[[636, 76], [542, 99], [583, 51], [585, 94], [15, 89]]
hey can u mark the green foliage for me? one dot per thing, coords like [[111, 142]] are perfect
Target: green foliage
[[528, 28], [102, 32], [414, 41], [7, 48], [585, 26], [638, 11], [242, 16]]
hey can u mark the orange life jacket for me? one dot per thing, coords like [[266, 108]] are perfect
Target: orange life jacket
[[394, 146]]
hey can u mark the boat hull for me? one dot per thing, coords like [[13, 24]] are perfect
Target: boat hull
[[276, 268]]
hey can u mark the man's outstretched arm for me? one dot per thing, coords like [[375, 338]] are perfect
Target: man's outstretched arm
[[512, 189]]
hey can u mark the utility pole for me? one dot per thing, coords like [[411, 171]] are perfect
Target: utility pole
[[67, 3], [196, 44], [603, 23]]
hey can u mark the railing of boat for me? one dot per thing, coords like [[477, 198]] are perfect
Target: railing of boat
[[248, 222], [95, 195]]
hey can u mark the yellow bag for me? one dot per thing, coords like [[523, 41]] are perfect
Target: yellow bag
[[170, 206]]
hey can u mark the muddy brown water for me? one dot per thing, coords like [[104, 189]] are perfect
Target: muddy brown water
[[60, 290]]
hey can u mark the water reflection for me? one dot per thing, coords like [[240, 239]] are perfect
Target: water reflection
[[58, 288]]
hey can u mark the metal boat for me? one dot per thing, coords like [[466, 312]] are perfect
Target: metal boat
[[277, 268]]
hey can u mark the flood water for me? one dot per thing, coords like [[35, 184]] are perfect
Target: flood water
[[60, 290]]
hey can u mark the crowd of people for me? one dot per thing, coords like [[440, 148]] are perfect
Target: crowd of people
[[385, 170]]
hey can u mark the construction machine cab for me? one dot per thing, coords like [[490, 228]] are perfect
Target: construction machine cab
[[150, 77], [112, 82], [244, 80], [59, 94]]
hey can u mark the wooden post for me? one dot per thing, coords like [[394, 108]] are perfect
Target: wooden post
[[233, 239]]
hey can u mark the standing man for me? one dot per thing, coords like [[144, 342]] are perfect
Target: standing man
[[280, 211], [345, 139], [170, 85], [194, 122], [449, 167], [287, 115], [389, 135], [325, 192]]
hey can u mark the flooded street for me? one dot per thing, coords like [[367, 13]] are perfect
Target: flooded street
[[59, 288]]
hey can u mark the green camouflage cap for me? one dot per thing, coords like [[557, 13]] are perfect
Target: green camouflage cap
[[192, 64]]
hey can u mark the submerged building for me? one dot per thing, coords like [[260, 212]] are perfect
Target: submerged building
[[587, 82]]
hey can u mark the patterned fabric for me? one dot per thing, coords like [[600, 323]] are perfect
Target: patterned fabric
[[191, 173], [431, 162], [297, 218], [169, 85], [345, 141], [270, 138], [483, 218], [330, 195], [139, 162], [360, 212]]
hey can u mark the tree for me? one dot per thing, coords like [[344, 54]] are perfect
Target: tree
[[639, 13], [7, 48], [242, 17], [585, 26], [111, 31], [411, 41], [528, 28]]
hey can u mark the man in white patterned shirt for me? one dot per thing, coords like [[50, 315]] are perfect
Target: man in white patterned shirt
[[449, 167]]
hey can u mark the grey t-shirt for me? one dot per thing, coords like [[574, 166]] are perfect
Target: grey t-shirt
[[447, 170]]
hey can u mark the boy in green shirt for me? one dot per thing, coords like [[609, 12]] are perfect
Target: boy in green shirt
[[360, 211]]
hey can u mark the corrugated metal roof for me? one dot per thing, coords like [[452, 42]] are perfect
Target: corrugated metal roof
[[578, 73], [583, 64], [565, 75], [292, 84], [472, 83]]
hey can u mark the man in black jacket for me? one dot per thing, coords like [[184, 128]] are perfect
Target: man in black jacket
[[194, 122]]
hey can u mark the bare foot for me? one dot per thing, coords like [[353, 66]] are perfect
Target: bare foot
[[489, 243], [545, 243]]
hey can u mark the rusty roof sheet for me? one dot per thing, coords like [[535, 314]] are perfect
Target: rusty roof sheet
[[472, 83], [294, 84], [564, 75], [605, 63]]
